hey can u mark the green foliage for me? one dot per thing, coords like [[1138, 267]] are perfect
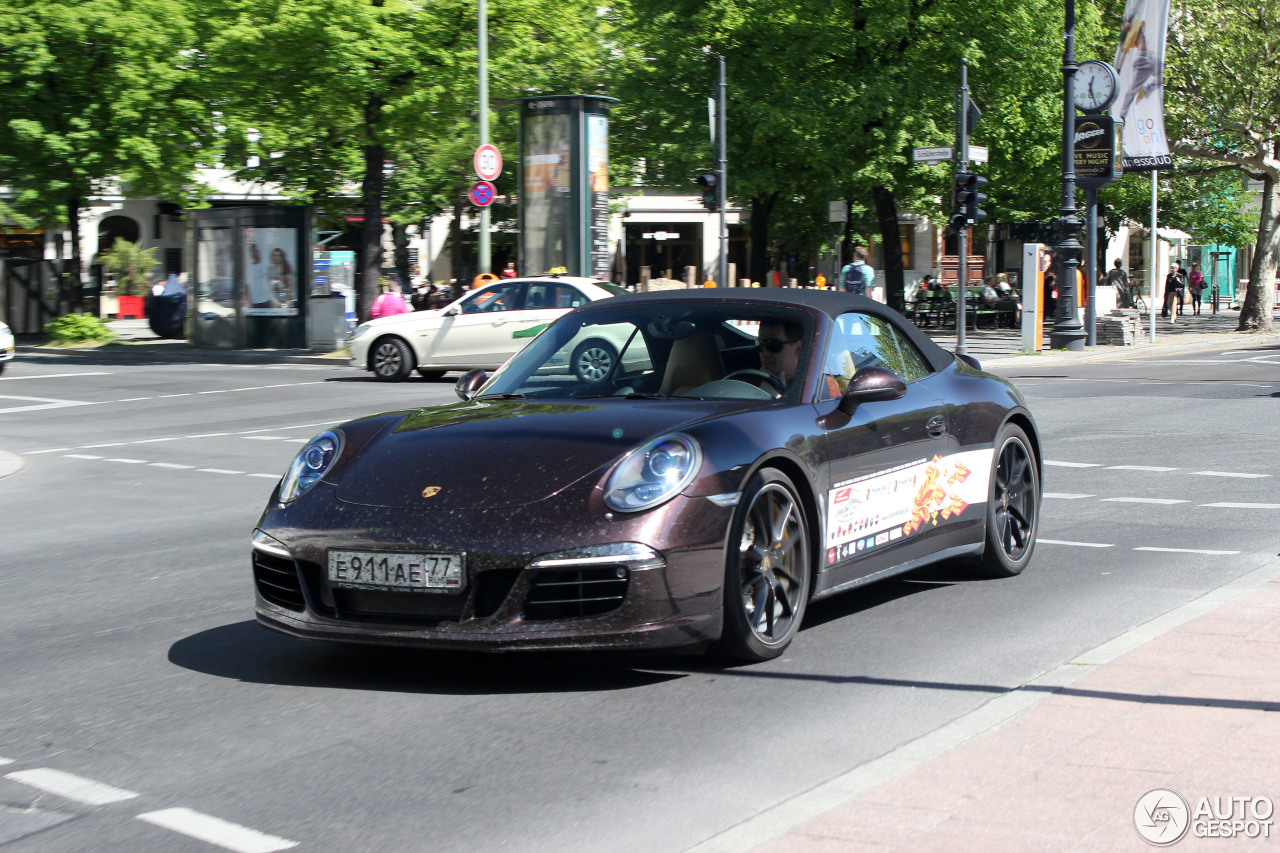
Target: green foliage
[[76, 330], [131, 266]]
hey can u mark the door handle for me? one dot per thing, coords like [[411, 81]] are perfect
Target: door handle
[[936, 425]]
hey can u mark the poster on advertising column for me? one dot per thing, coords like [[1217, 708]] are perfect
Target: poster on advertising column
[[598, 180], [269, 271], [1140, 103]]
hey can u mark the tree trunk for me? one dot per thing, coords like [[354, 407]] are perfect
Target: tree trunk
[[1255, 313], [375, 155], [891, 246], [400, 238], [761, 208]]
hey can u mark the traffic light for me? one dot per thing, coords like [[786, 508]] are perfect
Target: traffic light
[[966, 196], [710, 182]]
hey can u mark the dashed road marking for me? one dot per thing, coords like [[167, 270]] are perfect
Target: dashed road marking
[[1185, 551], [1163, 501], [71, 786], [41, 403], [81, 456], [128, 461], [268, 476], [1058, 464], [1076, 544], [1230, 474], [4, 761], [213, 830], [1229, 505], [1066, 496], [58, 375], [174, 465], [1157, 468], [218, 471]]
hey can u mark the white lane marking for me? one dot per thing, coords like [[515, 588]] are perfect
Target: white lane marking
[[1066, 496], [296, 440], [4, 761], [128, 461], [41, 403], [58, 375], [169, 465], [81, 456], [1186, 551], [214, 830], [96, 446], [132, 399], [218, 471], [268, 476], [208, 435], [1227, 505], [70, 786], [1230, 474], [151, 440], [1146, 500], [1139, 468], [50, 450], [1056, 464], [265, 438], [167, 396], [1077, 544]]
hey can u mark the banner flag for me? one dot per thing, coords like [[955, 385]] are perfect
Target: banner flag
[[1140, 104]]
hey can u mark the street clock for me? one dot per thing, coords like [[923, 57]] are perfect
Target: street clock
[[1096, 84]]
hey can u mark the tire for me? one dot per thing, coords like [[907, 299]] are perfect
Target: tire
[[430, 374], [593, 360], [768, 570], [1013, 506], [391, 360]]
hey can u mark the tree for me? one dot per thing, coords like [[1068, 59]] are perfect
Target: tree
[[93, 93], [1223, 109]]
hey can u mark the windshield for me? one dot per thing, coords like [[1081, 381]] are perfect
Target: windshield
[[664, 350]]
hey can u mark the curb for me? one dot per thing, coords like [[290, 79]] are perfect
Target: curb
[[180, 353], [1245, 340], [777, 820]]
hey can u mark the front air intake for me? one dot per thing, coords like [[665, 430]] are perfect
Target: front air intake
[[277, 580], [576, 592]]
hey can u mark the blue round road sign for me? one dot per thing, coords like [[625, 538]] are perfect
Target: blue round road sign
[[482, 193]]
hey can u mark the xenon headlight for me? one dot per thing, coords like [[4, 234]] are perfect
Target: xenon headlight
[[654, 472], [361, 331], [310, 465]]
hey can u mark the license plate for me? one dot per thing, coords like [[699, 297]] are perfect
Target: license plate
[[410, 572]]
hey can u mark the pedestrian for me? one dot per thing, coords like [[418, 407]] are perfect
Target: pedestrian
[[1119, 279], [389, 302], [1195, 283], [1174, 289], [509, 271], [1050, 294], [420, 297], [857, 275]]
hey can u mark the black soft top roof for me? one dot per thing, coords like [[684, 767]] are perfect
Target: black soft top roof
[[833, 303]]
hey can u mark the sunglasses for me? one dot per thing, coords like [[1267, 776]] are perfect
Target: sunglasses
[[774, 345]]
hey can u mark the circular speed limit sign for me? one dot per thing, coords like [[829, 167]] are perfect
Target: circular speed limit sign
[[482, 193], [488, 162]]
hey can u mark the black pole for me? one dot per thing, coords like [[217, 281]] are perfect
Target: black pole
[[1091, 271], [1067, 332], [962, 233]]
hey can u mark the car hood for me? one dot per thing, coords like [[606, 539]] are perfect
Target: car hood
[[496, 453]]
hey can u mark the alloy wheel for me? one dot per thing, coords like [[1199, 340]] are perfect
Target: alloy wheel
[[774, 564], [1015, 499]]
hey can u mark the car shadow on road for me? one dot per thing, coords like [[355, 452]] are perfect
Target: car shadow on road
[[245, 651]]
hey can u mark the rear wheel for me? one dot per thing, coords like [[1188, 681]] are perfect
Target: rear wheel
[[592, 361], [391, 360], [767, 570], [1013, 509]]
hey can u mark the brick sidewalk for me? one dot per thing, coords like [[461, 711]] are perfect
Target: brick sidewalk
[[1187, 702]]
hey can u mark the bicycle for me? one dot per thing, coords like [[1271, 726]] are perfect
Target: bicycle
[[1134, 294]]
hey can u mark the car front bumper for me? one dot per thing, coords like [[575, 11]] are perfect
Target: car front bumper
[[602, 602]]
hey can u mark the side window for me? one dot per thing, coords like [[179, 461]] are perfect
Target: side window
[[861, 341], [913, 364], [499, 297], [540, 296], [568, 297]]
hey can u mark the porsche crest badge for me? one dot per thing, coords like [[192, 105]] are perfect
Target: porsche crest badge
[[430, 491]]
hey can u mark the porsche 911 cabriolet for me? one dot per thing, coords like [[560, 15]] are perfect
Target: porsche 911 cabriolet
[[747, 451]]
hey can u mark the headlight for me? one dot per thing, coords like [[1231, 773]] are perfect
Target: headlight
[[653, 473], [310, 465], [361, 330]]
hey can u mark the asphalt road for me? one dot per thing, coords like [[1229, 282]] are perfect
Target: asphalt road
[[132, 662]]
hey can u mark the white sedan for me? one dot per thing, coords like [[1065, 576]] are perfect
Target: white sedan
[[482, 329], [7, 349]]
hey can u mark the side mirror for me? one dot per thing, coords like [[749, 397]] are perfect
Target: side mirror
[[869, 385], [452, 310], [470, 383]]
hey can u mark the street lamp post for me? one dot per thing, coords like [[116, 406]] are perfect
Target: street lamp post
[[1068, 333]]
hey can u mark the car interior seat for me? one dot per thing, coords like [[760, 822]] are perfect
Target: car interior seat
[[535, 299], [694, 361]]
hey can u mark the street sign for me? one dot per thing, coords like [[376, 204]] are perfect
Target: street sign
[[838, 211], [482, 193], [978, 153], [488, 162], [931, 155]]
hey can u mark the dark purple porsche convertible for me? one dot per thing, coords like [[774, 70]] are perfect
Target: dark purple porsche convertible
[[747, 451]]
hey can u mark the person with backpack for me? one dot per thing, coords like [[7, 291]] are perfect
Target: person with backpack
[[857, 275]]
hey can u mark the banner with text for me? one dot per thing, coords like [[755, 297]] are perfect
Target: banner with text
[[1140, 103]]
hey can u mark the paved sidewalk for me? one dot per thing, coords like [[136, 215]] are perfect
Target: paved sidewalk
[[1188, 702]]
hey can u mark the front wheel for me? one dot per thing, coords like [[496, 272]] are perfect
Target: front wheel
[[593, 361], [1013, 510], [391, 360], [768, 569]]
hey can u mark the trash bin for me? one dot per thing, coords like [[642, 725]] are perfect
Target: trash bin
[[168, 310]]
